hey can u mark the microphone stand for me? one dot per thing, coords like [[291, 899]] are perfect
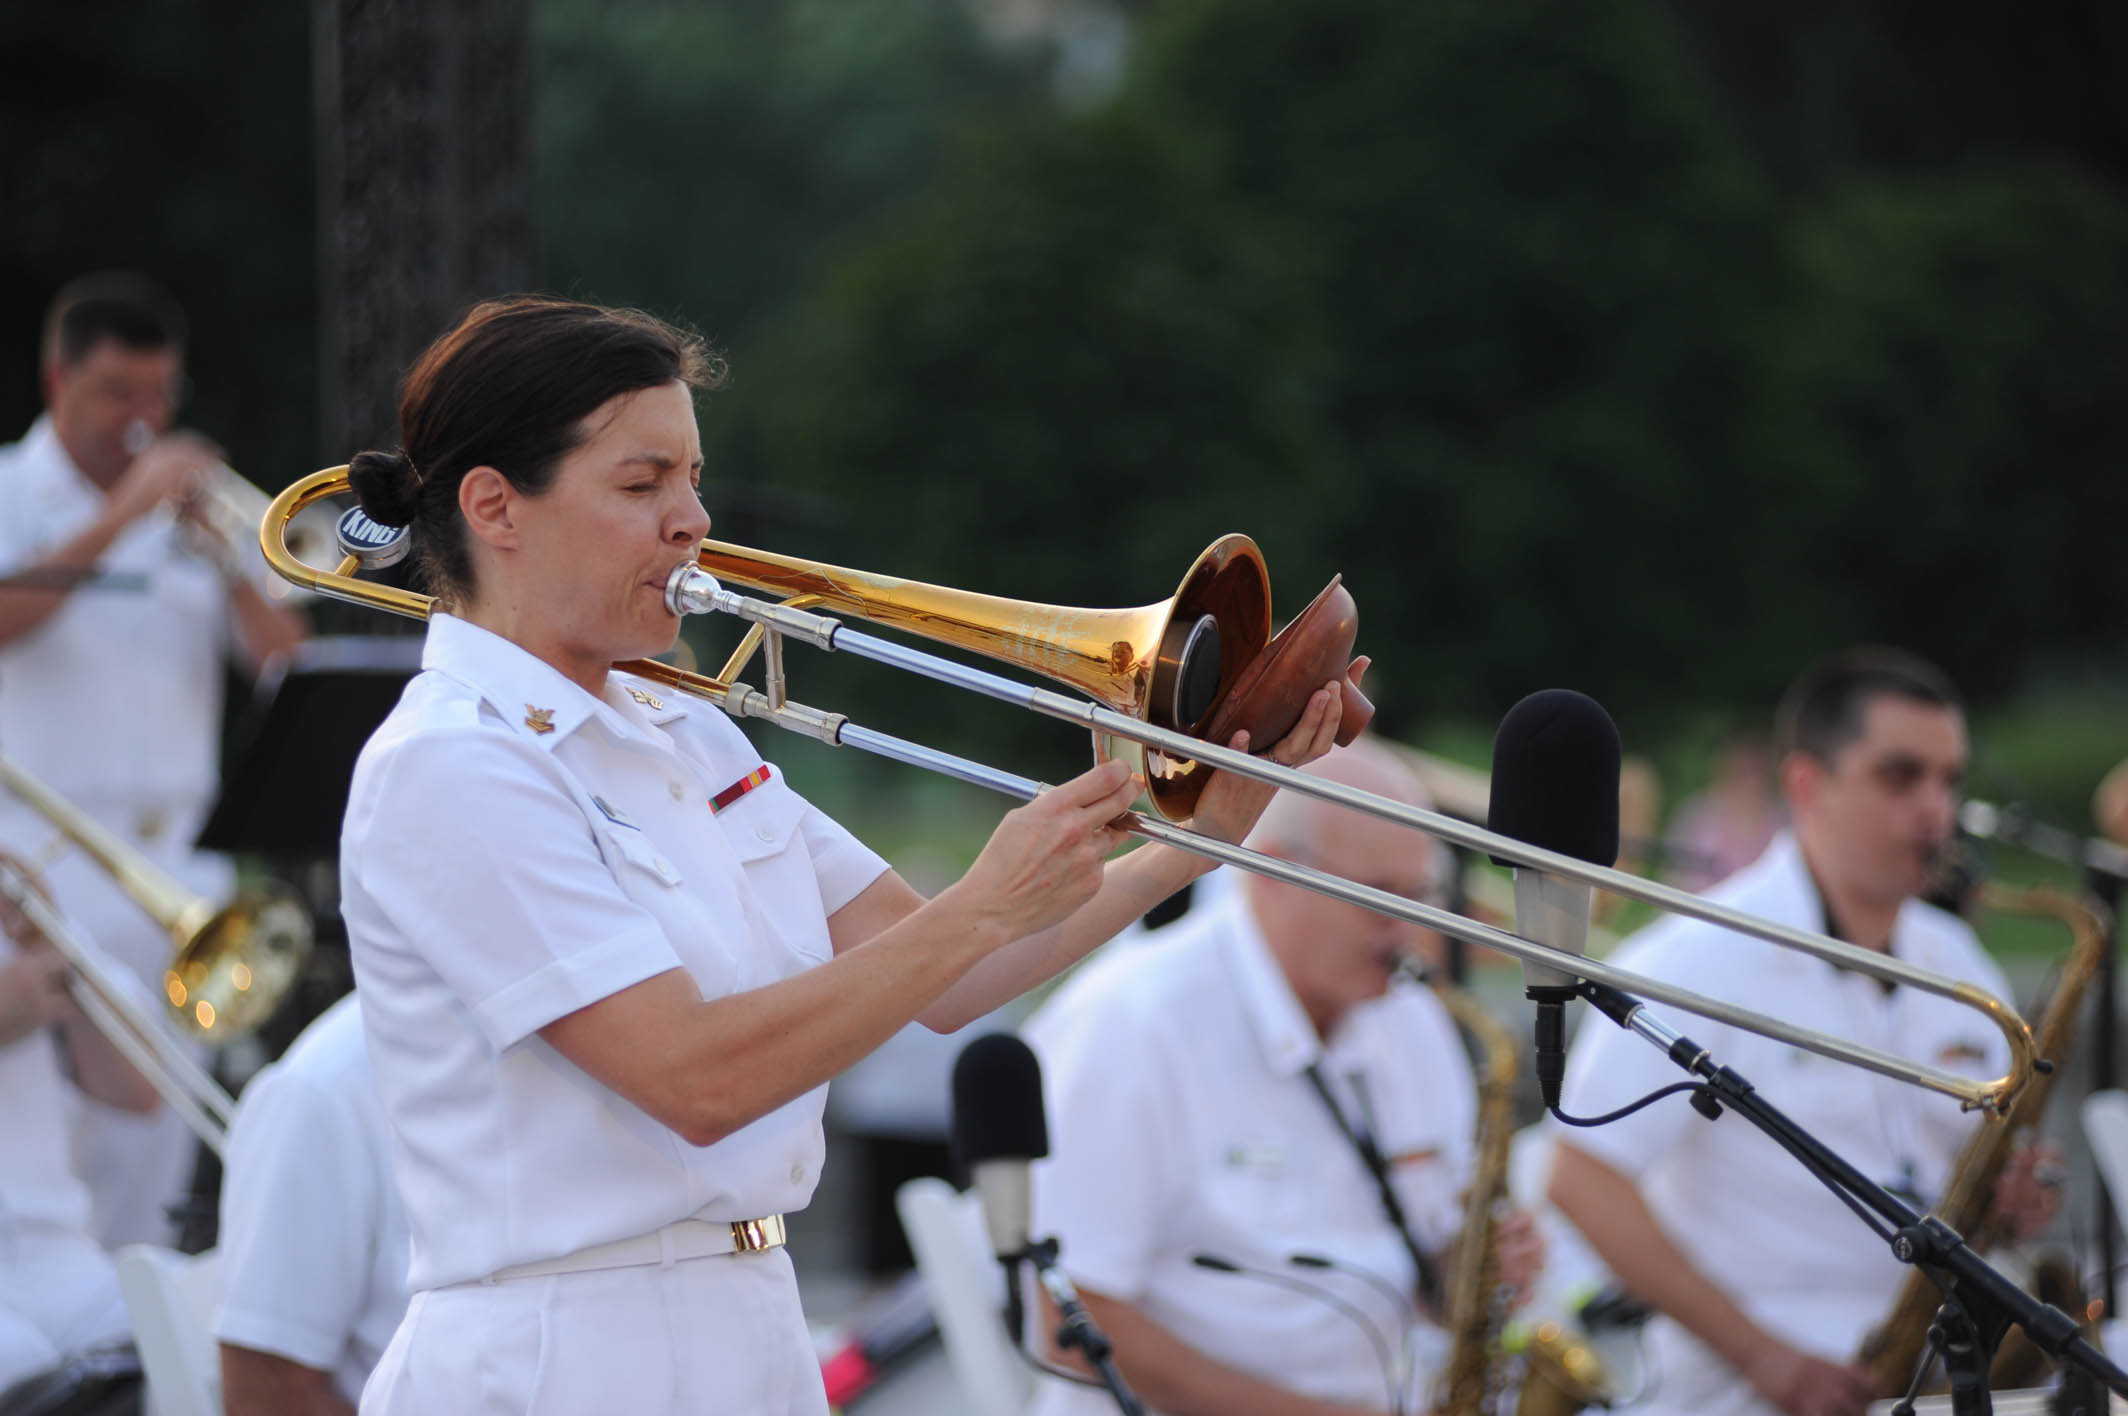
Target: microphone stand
[[1077, 1329], [1980, 1303]]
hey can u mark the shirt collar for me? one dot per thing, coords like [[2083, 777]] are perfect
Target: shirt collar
[[1798, 904], [1281, 1025], [536, 699], [654, 702]]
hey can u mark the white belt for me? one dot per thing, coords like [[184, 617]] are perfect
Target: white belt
[[675, 1243]]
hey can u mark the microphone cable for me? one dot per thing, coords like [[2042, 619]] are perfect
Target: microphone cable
[[1397, 1298], [1320, 1294]]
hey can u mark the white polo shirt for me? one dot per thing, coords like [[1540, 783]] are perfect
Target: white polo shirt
[[313, 1238], [1180, 1122], [516, 849], [1748, 1215]]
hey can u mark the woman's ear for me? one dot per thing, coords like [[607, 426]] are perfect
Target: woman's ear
[[486, 500]]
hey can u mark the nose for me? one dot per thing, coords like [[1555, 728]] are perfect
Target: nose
[[690, 521], [1939, 803]]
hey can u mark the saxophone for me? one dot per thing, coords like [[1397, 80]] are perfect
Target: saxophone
[[1891, 1351], [1558, 1375]]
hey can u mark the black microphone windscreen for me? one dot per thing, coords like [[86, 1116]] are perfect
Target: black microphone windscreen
[[1555, 776], [997, 1102]]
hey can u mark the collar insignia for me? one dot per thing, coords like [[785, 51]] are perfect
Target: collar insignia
[[539, 720], [648, 700]]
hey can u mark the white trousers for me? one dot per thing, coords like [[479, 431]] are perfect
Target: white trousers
[[58, 1296], [719, 1336]]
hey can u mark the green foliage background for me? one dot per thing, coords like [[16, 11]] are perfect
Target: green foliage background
[[1648, 347]]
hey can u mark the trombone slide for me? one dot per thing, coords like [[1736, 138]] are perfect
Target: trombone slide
[[160, 1058], [692, 590]]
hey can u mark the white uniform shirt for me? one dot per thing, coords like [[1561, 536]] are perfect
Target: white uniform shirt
[[515, 850], [115, 700], [1751, 1218], [313, 1242], [38, 1187], [1181, 1123]]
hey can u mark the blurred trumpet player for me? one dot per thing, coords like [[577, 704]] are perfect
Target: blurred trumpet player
[[1764, 1282], [58, 1291], [1247, 1085], [118, 605]]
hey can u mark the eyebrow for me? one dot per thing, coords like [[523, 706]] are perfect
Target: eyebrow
[[659, 460]]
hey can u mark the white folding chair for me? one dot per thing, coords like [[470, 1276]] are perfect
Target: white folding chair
[[171, 1298], [967, 1288], [2106, 1128]]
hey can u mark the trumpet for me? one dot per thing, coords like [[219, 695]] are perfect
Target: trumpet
[[231, 963], [1013, 631], [181, 1082], [229, 508]]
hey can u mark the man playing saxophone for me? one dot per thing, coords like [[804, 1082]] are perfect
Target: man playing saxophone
[[1764, 1282]]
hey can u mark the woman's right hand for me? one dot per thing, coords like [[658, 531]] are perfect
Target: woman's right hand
[[1044, 860]]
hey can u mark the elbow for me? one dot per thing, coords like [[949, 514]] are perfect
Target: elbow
[[944, 1020], [700, 1120], [699, 1126]]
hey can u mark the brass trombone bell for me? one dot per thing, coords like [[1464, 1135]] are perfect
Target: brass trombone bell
[[1169, 663], [231, 964]]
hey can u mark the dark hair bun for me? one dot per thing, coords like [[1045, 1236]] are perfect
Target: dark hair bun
[[387, 486]]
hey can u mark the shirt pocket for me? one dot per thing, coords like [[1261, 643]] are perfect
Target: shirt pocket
[[1257, 1184], [783, 891]]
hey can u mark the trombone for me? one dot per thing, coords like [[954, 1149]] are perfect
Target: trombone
[[231, 964], [1134, 644], [180, 1080]]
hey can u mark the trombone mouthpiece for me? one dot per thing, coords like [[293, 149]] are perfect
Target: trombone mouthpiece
[[691, 590]]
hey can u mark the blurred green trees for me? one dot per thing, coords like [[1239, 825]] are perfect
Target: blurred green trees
[[1645, 346], [1498, 309]]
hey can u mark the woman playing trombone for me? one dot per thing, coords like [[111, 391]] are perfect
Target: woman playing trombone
[[609, 958]]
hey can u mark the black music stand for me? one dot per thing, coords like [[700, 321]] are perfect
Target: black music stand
[[283, 797]]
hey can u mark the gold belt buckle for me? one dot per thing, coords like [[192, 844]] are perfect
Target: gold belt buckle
[[751, 1236]]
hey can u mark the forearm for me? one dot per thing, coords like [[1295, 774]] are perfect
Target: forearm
[[264, 628], [259, 1384], [101, 1071], [1611, 1214], [1131, 884], [23, 608], [708, 1067], [1171, 1376]]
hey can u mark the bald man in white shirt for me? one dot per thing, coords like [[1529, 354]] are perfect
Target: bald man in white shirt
[[1184, 1121]]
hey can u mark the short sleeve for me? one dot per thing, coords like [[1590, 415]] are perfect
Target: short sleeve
[[842, 864], [480, 858], [1609, 1067], [301, 1206], [1106, 1188], [18, 530]]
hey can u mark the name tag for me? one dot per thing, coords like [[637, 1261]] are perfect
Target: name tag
[[1265, 1161]]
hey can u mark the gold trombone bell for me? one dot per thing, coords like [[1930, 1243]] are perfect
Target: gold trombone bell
[[231, 963]]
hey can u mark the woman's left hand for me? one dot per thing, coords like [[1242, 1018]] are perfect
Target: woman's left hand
[[1230, 804]]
